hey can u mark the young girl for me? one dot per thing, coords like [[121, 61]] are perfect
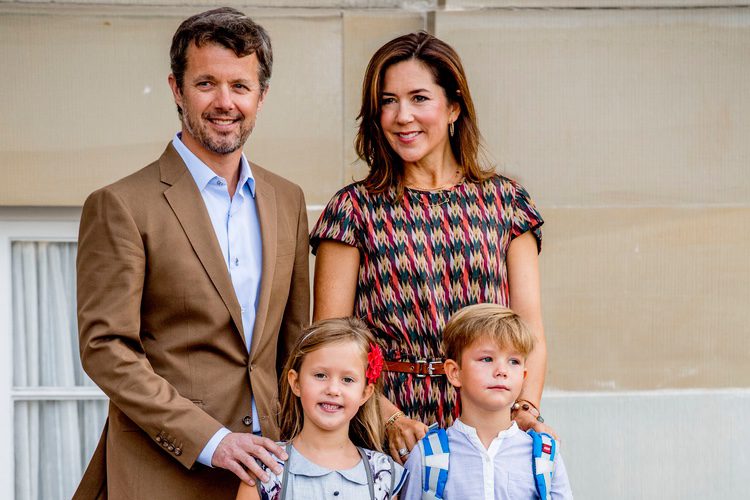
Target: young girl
[[330, 421]]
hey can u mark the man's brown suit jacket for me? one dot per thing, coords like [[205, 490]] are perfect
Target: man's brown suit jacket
[[161, 328]]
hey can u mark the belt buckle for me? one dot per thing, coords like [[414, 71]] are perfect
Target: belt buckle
[[430, 369]]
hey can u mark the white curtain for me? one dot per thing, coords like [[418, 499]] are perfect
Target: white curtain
[[53, 439]]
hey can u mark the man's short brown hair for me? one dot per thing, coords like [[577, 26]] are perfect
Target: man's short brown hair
[[491, 321], [228, 28]]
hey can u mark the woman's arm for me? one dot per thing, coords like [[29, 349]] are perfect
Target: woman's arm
[[525, 299], [335, 282], [335, 286]]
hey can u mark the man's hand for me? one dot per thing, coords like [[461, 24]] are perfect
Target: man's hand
[[237, 453]]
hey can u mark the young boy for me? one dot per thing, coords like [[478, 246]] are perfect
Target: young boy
[[490, 458]]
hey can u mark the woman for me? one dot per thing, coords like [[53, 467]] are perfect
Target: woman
[[427, 232]]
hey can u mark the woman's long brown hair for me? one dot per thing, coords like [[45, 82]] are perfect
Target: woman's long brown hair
[[386, 168]]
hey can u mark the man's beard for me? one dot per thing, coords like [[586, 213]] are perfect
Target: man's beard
[[224, 145]]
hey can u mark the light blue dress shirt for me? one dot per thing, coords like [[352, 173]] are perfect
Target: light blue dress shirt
[[235, 222], [501, 472]]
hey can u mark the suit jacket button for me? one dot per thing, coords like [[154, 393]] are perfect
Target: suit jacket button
[[177, 451], [248, 420], [170, 447], [164, 444], [158, 439]]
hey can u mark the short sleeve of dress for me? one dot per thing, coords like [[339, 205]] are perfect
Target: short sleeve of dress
[[526, 217], [340, 221], [388, 476], [271, 489]]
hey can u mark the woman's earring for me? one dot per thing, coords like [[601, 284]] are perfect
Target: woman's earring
[[451, 129]]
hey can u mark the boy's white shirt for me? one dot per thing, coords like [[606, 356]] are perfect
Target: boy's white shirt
[[460, 478], [488, 454]]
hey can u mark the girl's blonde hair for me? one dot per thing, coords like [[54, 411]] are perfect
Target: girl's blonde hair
[[366, 428]]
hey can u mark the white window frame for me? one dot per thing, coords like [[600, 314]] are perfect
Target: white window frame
[[26, 224]]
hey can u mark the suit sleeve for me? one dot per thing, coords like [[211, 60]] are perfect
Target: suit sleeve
[[297, 310], [111, 266]]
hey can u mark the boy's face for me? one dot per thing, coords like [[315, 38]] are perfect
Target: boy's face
[[490, 378]]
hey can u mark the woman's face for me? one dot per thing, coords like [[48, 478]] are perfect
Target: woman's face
[[415, 114]]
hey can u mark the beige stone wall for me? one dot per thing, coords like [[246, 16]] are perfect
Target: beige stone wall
[[628, 125], [87, 90], [654, 445]]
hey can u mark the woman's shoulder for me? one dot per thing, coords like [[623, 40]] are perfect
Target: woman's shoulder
[[353, 189], [359, 192], [510, 189], [501, 181]]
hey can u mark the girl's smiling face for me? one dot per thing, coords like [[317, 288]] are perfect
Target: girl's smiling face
[[331, 385]]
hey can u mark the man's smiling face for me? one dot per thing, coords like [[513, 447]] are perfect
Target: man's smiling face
[[220, 98]]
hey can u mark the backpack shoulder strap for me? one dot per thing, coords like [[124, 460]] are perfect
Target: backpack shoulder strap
[[543, 453], [435, 463], [285, 476]]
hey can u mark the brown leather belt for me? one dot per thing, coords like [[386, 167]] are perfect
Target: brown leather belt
[[420, 368]]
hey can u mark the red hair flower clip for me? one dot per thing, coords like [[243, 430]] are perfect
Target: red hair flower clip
[[374, 363]]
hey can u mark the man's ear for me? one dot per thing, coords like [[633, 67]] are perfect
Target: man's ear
[[262, 99], [176, 92], [452, 372], [293, 379]]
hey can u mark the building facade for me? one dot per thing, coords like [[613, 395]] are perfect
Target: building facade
[[628, 121]]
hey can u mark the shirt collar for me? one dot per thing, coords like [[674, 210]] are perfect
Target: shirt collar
[[299, 465], [203, 174], [471, 434]]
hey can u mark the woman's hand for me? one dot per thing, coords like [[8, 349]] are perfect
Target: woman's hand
[[526, 421], [403, 434]]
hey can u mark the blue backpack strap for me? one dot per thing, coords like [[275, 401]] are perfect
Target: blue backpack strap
[[435, 463], [543, 462]]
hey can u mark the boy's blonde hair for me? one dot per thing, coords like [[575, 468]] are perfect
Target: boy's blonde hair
[[485, 321], [365, 429]]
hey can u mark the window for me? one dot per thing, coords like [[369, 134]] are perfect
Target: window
[[49, 409]]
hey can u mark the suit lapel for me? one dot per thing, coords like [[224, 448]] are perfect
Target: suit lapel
[[265, 201], [186, 202]]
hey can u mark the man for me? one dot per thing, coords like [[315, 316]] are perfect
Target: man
[[193, 285]]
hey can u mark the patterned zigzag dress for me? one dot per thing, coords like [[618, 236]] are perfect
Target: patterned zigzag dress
[[423, 259]]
